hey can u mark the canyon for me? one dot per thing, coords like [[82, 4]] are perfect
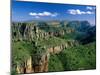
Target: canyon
[[31, 32]]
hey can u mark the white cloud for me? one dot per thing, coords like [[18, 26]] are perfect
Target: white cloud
[[46, 13], [89, 8], [89, 12], [41, 14], [78, 12], [32, 14]]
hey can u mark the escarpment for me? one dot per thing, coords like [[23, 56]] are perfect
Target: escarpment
[[34, 45]]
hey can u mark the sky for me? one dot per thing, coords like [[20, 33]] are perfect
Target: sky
[[28, 11]]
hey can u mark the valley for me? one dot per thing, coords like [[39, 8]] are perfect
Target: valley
[[49, 46]]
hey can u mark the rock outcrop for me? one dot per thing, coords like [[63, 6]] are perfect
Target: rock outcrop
[[31, 32], [29, 66]]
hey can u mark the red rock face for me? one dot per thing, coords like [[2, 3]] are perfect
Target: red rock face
[[43, 67], [28, 68]]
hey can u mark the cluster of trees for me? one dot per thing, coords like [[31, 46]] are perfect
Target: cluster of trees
[[81, 57]]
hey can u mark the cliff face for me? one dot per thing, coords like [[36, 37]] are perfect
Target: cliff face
[[30, 67], [57, 49], [27, 31], [30, 32]]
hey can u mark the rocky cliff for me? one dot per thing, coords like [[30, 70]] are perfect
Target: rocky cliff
[[43, 44]]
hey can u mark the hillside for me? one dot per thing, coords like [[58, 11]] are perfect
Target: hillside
[[53, 46]]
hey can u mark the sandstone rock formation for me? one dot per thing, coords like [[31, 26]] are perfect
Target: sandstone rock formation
[[31, 32]]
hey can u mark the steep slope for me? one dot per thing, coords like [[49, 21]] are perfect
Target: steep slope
[[81, 57], [32, 46]]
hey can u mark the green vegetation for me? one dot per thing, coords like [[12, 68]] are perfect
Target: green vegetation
[[74, 58], [20, 52], [53, 41], [13, 72], [34, 39], [55, 64]]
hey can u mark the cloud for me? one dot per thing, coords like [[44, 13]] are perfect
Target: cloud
[[89, 12], [90, 8], [42, 14], [78, 12]]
